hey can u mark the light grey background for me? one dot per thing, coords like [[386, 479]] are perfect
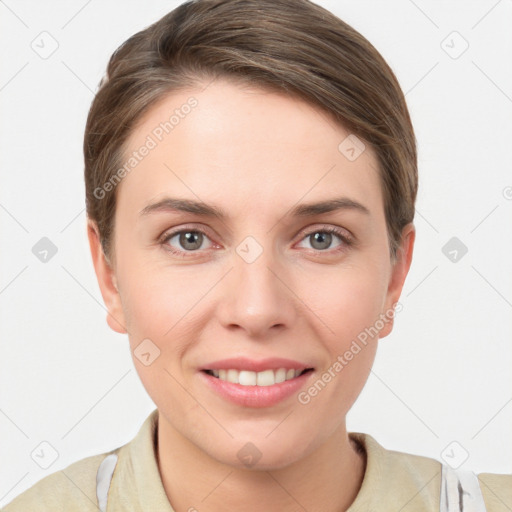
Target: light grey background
[[442, 376]]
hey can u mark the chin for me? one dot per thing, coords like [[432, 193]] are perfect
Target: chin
[[262, 454]]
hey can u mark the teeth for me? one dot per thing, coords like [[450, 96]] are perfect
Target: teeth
[[264, 378], [246, 378], [232, 376], [280, 375]]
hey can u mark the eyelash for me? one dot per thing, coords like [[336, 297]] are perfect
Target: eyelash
[[347, 241]]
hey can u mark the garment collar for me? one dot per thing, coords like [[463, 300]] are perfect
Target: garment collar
[[391, 478]]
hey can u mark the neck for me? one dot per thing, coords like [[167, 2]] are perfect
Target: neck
[[326, 480]]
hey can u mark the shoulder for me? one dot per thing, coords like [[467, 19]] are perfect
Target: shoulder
[[75, 487], [395, 480], [387, 464], [72, 488], [414, 481], [497, 491]]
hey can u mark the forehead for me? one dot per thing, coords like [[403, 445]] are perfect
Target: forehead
[[245, 148]]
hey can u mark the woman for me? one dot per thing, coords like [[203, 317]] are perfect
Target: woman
[[251, 177]]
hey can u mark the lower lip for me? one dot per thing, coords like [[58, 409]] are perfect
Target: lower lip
[[256, 396]]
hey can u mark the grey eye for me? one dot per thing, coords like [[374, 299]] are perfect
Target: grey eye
[[188, 240], [320, 240]]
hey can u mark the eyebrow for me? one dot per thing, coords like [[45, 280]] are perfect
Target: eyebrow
[[170, 204]]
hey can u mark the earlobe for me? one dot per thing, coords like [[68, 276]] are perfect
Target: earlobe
[[106, 280], [398, 274]]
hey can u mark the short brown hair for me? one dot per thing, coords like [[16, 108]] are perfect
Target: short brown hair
[[292, 46]]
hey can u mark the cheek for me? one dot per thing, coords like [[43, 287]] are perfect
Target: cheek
[[157, 313], [346, 312], [153, 304], [164, 305], [346, 300]]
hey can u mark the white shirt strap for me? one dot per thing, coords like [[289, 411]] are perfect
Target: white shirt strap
[[460, 491], [103, 479]]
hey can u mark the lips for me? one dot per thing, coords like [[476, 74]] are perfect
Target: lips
[[256, 383]]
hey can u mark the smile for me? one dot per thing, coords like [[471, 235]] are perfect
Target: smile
[[264, 378]]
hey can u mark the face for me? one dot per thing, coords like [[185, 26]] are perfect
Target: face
[[273, 278]]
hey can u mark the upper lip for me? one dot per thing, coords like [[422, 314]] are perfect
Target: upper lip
[[242, 363]]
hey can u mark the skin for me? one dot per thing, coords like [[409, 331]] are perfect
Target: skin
[[256, 154]]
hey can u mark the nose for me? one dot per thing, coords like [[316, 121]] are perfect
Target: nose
[[256, 295]]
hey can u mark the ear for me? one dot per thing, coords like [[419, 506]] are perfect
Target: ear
[[397, 277], [106, 280]]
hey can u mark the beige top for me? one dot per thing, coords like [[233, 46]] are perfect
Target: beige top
[[393, 481]]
